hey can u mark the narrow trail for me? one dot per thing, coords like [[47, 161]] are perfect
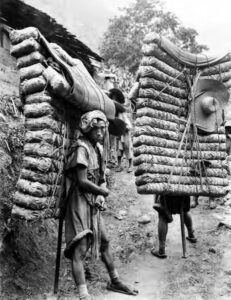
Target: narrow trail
[[204, 274]]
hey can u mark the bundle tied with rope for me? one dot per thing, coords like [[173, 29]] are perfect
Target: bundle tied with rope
[[55, 90], [179, 137]]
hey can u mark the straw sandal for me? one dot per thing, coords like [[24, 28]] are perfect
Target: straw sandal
[[158, 254]]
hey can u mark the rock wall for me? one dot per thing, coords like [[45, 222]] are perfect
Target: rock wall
[[27, 251], [11, 132]]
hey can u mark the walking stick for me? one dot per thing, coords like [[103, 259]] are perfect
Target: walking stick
[[62, 206], [62, 209], [182, 229], [58, 255]]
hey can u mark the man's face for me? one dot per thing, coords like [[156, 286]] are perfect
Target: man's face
[[98, 132]]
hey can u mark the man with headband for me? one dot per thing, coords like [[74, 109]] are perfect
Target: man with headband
[[84, 226]]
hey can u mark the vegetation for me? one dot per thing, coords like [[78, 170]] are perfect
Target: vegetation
[[123, 39]]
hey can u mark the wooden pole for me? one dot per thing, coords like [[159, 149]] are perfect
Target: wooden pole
[[182, 229], [58, 255]]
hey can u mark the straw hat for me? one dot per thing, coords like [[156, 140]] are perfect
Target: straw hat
[[211, 97]]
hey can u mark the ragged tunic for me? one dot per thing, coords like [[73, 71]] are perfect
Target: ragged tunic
[[82, 217], [173, 203]]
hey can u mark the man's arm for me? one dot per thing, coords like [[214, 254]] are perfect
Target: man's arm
[[87, 185]]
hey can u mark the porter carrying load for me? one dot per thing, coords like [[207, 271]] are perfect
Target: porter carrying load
[[55, 89], [179, 137]]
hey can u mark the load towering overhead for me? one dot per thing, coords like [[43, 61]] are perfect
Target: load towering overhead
[[56, 89], [173, 154]]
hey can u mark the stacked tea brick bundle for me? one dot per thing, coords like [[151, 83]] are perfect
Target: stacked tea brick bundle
[[169, 157], [39, 184]]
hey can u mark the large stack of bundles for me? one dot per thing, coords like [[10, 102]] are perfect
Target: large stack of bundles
[[39, 184], [55, 89], [169, 156]]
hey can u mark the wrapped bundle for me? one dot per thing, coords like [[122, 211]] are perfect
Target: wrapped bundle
[[30, 59], [38, 110], [31, 71], [33, 85], [175, 152], [70, 80], [25, 47], [38, 187]]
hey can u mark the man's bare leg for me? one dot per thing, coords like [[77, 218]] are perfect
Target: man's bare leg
[[212, 203], [189, 225], [162, 234], [194, 201], [78, 272], [129, 165], [116, 285], [119, 167]]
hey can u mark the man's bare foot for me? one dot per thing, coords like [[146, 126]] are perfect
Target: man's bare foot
[[129, 170], [212, 203], [119, 287]]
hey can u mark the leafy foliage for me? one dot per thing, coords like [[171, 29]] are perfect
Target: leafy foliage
[[123, 40]]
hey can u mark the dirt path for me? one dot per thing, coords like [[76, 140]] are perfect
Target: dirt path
[[204, 274]]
